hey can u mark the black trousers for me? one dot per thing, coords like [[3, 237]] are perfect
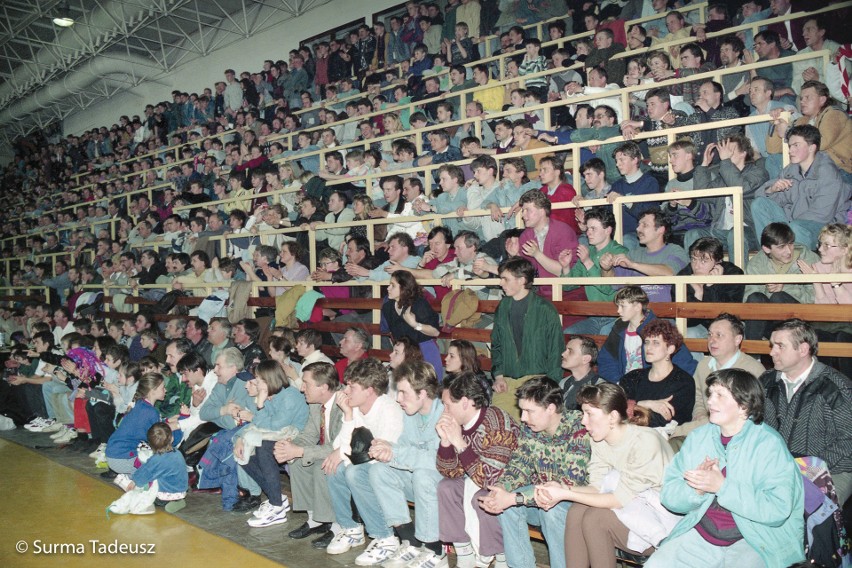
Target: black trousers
[[263, 468], [101, 419], [758, 329]]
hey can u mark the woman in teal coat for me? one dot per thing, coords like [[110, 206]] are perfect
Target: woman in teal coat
[[737, 485]]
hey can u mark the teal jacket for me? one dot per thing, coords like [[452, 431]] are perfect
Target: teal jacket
[[543, 345], [763, 490]]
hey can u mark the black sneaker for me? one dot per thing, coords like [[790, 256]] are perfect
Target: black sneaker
[[109, 474], [246, 504], [323, 541]]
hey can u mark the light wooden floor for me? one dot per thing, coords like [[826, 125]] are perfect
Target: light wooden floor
[[44, 504]]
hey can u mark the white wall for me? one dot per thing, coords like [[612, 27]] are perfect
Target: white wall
[[245, 55]]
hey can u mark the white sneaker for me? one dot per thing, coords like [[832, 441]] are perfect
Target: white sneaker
[[37, 424], [122, 480], [99, 453], [265, 507], [380, 549], [403, 555], [274, 516], [345, 540], [67, 436], [465, 556], [428, 559], [53, 427]]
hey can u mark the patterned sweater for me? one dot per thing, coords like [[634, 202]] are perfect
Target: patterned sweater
[[542, 457], [490, 443]]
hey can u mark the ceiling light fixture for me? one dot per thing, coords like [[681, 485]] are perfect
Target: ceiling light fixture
[[63, 17]]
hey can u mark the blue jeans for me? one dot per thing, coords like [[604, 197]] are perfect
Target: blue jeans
[[595, 325], [393, 489], [353, 482], [516, 536], [57, 403], [765, 211], [690, 549]]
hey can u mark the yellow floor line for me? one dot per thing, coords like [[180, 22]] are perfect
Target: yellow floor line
[[55, 513]]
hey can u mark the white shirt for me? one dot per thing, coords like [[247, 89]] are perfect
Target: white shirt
[[792, 385], [384, 420], [193, 421]]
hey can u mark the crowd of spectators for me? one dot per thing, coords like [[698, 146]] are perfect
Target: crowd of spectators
[[289, 163]]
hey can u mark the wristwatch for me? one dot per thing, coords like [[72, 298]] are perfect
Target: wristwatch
[[519, 499], [419, 327]]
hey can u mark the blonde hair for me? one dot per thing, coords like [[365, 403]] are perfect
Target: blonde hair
[[367, 202], [392, 123]]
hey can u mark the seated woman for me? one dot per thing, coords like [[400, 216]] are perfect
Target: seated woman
[[279, 405], [407, 314], [461, 357], [737, 510], [834, 256], [620, 505], [663, 388]]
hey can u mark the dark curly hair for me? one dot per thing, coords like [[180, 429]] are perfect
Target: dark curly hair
[[663, 329]]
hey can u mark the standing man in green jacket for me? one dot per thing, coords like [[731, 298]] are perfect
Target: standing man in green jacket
[[527, 337]]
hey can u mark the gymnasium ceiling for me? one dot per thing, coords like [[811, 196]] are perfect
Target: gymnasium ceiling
[[48, 72]]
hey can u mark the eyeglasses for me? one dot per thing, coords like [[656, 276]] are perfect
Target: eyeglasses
[[701, 260], [826, 245]]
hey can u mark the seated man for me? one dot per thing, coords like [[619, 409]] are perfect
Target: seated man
[[580, 355], [779, 255], [545, 239], [483, 190], [194, 373], [684, 214], [523, 139], [44, 361], [557, 190], [546, 424], [365, 404], [453, 195], [400, 251], [245, 335], [811, 192], [705, 259], [308, 344], [726, 333], [600, 224], [710, 108], [657, 258], [809, 403], [405, 471], [737, 167], [525, 317], [469, 263], [308, 453], [660, 116], [634, 182], [477, 441]]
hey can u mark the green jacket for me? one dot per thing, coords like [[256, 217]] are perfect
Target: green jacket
[[762, 264], [604, 293], [543, 341]]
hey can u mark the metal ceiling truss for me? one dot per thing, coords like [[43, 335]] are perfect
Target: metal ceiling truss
[[167, 33]]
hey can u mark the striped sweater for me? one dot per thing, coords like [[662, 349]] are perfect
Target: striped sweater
[[490, 443]]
